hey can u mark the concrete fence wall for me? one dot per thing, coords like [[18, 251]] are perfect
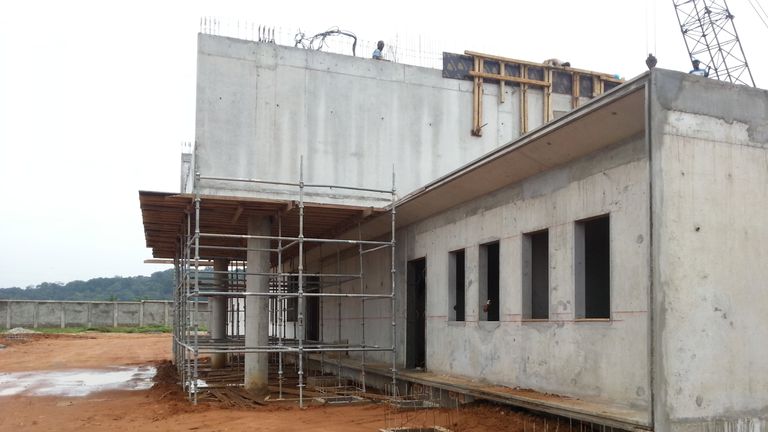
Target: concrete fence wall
[[45, 313]]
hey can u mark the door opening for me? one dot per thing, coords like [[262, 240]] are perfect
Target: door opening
[[416, 330]]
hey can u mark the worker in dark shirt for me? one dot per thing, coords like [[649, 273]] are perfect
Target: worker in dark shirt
[[697, 70], [378, 53]]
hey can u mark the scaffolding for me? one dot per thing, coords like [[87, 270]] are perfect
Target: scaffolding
[[290, 288]]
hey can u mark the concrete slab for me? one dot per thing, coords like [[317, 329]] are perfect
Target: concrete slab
[[593, 411]]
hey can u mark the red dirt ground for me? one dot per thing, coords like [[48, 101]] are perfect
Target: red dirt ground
[[163, 407]]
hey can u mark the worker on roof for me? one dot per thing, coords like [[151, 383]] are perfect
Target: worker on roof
[[556, 63], [697, 70], [378, 53]]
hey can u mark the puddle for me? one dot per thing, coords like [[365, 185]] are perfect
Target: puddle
[[75, 382]]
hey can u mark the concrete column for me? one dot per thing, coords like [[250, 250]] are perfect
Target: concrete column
[[218, 312], [257, 308]]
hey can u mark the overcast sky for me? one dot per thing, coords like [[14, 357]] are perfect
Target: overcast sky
[[96, 97]]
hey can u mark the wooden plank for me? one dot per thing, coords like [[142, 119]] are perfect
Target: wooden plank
[[602, 75], [502, 83], [509, 78], [575, 90], [480, 99], [523, 101], [243, 398], [295, 392], [475, 94], [547, 94]]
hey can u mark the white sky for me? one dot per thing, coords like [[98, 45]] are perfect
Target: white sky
[[96, 97]]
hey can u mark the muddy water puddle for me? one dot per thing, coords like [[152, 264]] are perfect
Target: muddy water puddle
[[75, 382]]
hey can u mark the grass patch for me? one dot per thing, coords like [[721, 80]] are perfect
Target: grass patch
[[142, 329]]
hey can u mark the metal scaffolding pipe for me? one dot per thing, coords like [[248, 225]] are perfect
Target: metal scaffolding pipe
[[272, 274], [355, 188], [302, 304], [393, 273], [284, 295], [236, 248], [365, 251], [304, 240], [248, 180], [276, 294]]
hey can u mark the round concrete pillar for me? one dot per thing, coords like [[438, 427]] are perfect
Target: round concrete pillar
[[257, 307]]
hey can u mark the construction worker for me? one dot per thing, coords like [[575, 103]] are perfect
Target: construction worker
[[651, 61], [697, 70], [378, 53]]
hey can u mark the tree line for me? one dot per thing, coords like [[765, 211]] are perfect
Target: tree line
[[157, 286]]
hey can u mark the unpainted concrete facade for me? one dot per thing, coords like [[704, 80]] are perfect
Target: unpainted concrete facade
[[606, 360], [687, 203], [710, 204], [261, 106], [685, 196]]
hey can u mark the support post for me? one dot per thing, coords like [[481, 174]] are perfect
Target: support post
[[523, 101], [256, 307]]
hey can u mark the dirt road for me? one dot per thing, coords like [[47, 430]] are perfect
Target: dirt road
[[163, 407]]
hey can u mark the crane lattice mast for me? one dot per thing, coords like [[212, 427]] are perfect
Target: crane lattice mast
[[710, 37]]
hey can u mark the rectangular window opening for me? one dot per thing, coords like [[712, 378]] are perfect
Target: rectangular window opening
[[489, 282], [593, 269], [456, 281], [536, 275]]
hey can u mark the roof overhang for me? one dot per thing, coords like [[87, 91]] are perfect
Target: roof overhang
[[166, 218], [604, 121]]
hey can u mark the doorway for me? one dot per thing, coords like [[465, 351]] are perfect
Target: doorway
[[313, 309], [416, 319]]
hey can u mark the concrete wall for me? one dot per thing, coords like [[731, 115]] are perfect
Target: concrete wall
[[260, 106], [33, 314], [604, 360], [710, 207], [341, 317]]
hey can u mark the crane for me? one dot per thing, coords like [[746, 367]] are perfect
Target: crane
[[710, 37]]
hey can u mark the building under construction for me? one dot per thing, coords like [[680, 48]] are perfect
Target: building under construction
[[535, 235]]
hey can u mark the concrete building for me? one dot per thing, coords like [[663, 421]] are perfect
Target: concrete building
[[598, 257]]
